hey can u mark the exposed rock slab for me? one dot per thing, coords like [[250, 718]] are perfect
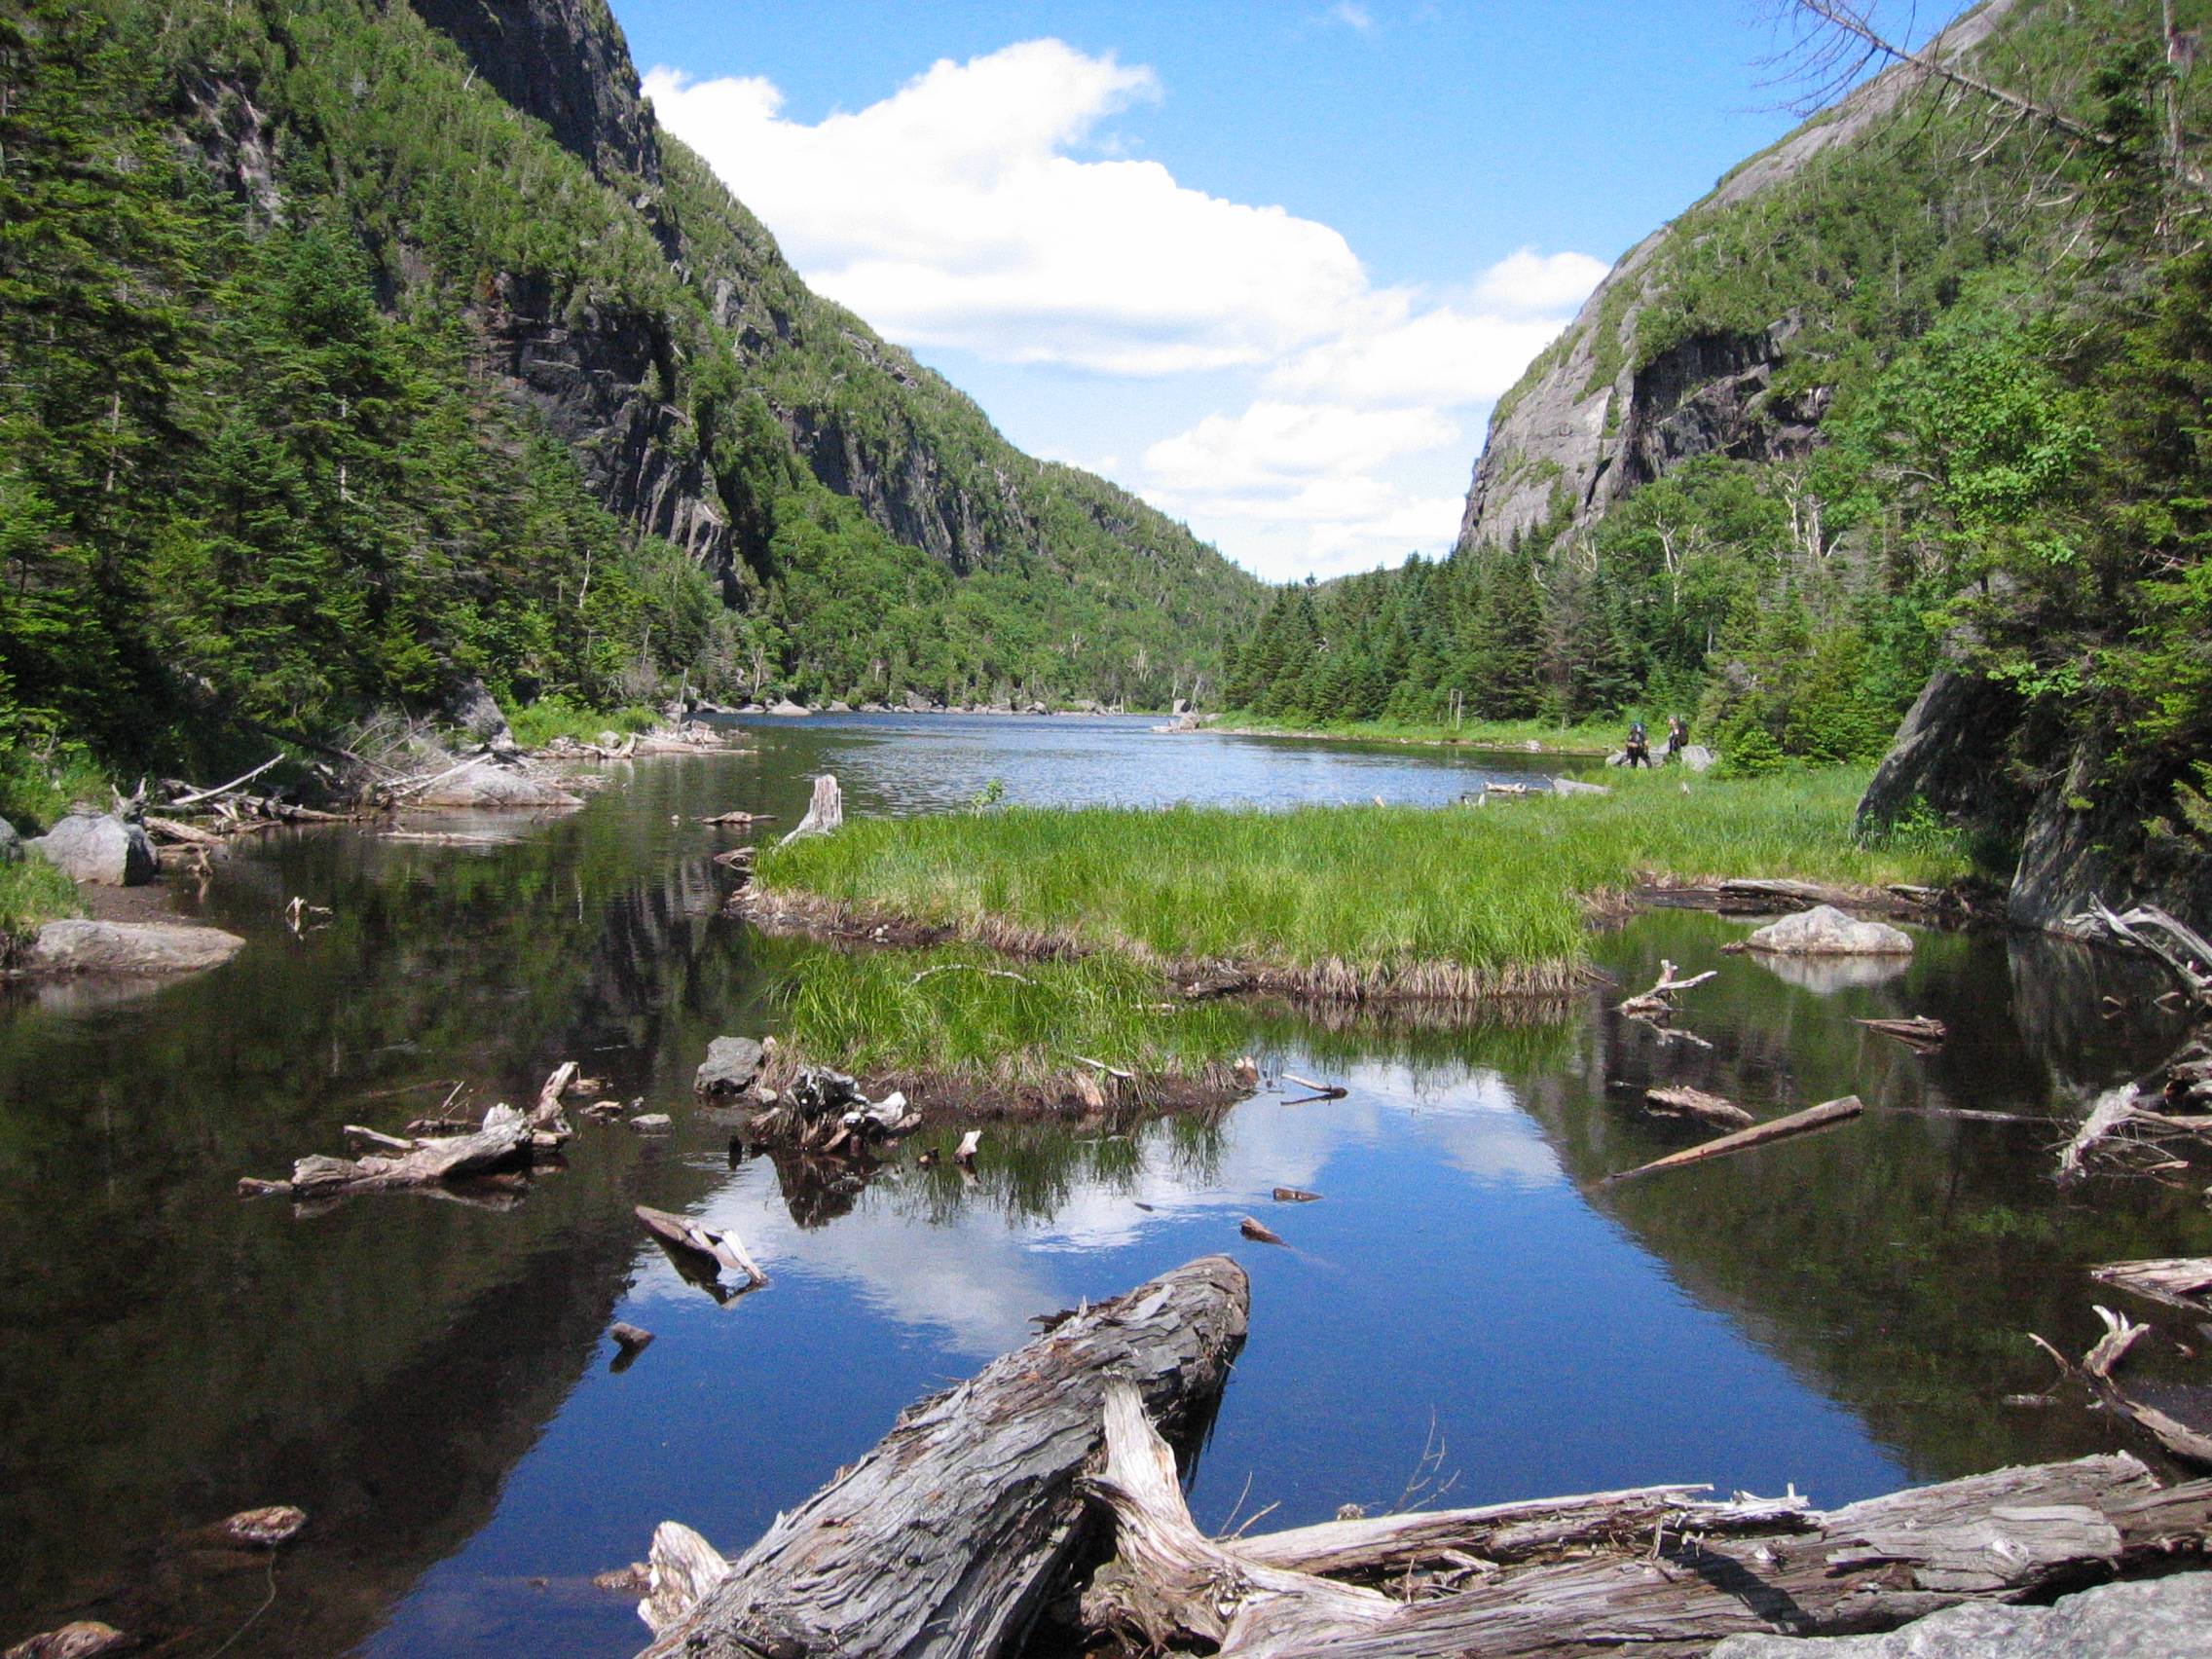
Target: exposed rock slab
[[487, 784], [2160, 1618], [100, 847], [11, 844], [128, 947], [730, 1066], [1825, 930]]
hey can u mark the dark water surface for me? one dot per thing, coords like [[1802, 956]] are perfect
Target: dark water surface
[[432, 1381]]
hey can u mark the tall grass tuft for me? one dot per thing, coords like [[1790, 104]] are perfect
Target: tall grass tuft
[[1443, 903], [963, 1015]]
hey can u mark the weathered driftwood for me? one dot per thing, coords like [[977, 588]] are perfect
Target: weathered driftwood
[[1696, 1103], [721, 1247], [505, 1141], [1296, 1196], [1653, 1574], [1817, 1117], [1658, 1003], [824, 813], [1315, 1091], [2182, 1442], [1258, 1232], [1763, 895], [2179, 1281], [1920, 1031], [947, 1538], [2187, 954], [739, 820], [2120, 1130]]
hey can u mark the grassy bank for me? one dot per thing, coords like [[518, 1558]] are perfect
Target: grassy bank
[[1588, 737], [1458, 902], [961, 1023], [32, 891], [550, 718]]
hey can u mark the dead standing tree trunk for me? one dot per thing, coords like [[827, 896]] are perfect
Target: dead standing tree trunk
[[824, 813], [946, 1539]]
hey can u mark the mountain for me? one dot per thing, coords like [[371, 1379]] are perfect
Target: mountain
[[350, 351], [1894, 444]]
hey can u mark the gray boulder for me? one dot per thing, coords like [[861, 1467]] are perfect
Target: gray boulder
[[100, 847], [730, 1066], [1575, 786], [2157, 1618], [11, 844], [487, 784], [790, 709], [838, 706], [1825, 930], [128, 947], [1697, 758], [1181, 706], [472, 709]]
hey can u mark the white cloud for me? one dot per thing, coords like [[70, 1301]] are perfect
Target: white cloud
[[1353, 16], [991, 208]]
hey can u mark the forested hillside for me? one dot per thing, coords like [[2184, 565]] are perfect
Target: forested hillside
[[350, 351], [1925, 385]]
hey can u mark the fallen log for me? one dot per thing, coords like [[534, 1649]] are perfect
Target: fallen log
[[1696, 1103], [681, 1232], [2179, 1281], [1819, 1117], [1920, 1031], [505, 1141], [1296, 1196], [1747, 895], [950, 1535], [739, 820], [1319, 1091], [194, 796], [2181, 1440], [1258, 1232], [186, 834], [1654, 1572]]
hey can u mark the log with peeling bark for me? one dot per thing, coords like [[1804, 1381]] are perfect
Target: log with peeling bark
[[1654, 1572], [2179, 1281], [1763, 895], [948, 1538], [1696, 1103], [505, 1141], [1821, 1117], [2187, 954], [2180, 1440]]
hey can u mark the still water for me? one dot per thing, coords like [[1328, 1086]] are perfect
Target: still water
[[1467, 1307]]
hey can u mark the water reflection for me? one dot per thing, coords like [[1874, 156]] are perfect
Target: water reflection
[[430, 1380]]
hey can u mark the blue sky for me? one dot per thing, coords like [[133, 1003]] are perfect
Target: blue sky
[[1266, 264]]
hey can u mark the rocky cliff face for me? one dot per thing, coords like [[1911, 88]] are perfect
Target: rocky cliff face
[[1588, 422]]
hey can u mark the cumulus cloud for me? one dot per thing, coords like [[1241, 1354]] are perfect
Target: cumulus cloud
[[993, 206]]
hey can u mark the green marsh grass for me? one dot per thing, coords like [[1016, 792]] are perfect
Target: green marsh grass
[[1411, 902], [32, 891], [964, 1016], [1585, 737], [555, 716]]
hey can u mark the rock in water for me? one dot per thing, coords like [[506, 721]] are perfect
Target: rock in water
[[100, 847], [80, 1640], [265, 1529], [489, 784], [730, 1066], [2157, 1618], [1825, 930], [790, 709], [128, 947]]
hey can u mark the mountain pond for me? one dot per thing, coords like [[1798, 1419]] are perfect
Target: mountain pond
[[1465, 1316]]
